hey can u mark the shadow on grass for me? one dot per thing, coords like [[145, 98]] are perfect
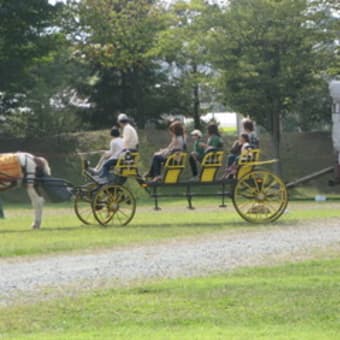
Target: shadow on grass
[[221, 225], [240, 223], [47, 229]]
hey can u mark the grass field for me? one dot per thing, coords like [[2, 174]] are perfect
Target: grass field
[[299, 301], [63, 232]]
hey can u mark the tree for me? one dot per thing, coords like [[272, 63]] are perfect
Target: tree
[[114, 37], [182, 45], [269, 52], [31, 50], [24, 39], [331, 22]]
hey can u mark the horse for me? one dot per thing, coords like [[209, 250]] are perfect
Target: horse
[[23, 169]]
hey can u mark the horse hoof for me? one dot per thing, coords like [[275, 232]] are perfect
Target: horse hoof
[[35, 226]]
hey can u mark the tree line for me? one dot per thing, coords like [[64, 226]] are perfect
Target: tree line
[[73, 64]]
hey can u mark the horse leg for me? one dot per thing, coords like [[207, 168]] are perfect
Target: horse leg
[[37, 204]]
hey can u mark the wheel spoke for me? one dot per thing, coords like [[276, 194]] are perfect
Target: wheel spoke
[[254, 178], [260, 197], [83, 203], [245, 184], [119, 205]]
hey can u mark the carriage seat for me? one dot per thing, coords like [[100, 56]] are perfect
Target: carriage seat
[[212, 161], [127, 164], [246, 161], [249, 155], [174, 166]]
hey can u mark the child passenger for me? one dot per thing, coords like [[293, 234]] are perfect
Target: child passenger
[[110, 157], [239, 146], [197, 152], [214, 142]]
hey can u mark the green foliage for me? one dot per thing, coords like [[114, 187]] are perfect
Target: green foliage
[[271, 55], [74, 65], [183, 46], [36, 75], [117, 37], [24, 40], [311, 109]]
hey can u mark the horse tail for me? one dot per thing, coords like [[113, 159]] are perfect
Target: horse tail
[[45, 167]]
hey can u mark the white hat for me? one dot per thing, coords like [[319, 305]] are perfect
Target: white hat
[[122, 116], [196, 133]]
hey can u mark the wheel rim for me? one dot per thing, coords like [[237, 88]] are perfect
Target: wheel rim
[[260, 197], [83, 203], [115, 204]]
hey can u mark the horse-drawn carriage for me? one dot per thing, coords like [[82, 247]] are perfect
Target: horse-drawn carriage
[[258, 195]]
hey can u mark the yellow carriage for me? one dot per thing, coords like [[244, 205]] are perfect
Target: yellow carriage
[[258, 195]]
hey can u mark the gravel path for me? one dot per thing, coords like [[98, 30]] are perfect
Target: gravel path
[[191, 257]]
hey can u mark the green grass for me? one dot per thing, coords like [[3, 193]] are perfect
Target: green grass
[[63, 232], [299, 301], [229, 130]]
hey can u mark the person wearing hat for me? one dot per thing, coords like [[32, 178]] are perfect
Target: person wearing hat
[[129, 133], [197, 152]]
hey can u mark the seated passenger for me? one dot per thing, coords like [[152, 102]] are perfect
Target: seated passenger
[[237, 149], [177, 143], [248, 128], [197, 153], [110, 157], [214, 142], [129, 133]]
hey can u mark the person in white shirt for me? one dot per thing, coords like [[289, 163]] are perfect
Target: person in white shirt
[[110, 157], [129, 133]]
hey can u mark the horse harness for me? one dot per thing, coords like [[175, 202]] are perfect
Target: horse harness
[[29, 176]]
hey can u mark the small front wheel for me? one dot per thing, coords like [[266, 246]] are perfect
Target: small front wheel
[[260, 197], [83, 203], [113, 204]]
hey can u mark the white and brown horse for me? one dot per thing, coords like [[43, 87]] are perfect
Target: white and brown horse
[[23, 168]]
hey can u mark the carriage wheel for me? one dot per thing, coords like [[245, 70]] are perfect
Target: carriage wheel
[[83, 203], [260, 197], [115, 204]]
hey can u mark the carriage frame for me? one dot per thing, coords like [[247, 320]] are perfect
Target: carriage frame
[[258, 195]]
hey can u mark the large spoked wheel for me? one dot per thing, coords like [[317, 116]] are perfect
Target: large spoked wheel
[[114, 204], [83, 203], [260, 197]]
